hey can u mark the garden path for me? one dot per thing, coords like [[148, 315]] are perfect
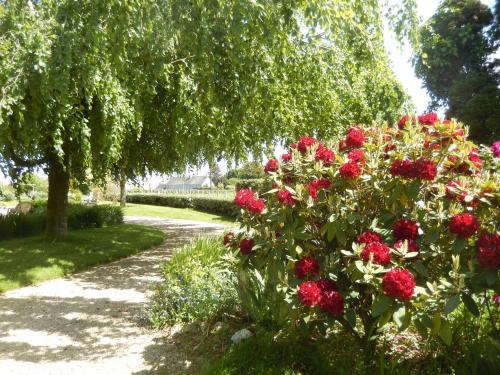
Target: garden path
[[90, 323]]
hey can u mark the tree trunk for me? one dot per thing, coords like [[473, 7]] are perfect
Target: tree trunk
[[123, 192], [57, 205]]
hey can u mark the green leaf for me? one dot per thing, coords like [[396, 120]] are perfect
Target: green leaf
[[451, 304], [380, 305], [445, 332], [420, 268], [432, 237], [436, 323], [350, 316], [458, 245], [491, 277], [399, 316], [470, 304]]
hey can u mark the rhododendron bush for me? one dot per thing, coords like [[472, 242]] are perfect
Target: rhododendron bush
[[388, 224]]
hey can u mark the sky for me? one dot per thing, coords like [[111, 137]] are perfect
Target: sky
[[400, 63]]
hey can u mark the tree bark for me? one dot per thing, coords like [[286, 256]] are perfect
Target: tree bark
[[57, 204], [123, 192]]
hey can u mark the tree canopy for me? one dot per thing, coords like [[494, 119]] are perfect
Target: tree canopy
[[455, 62], [94, 86]]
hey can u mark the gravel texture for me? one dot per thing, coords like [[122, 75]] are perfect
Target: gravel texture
[[89, 323]]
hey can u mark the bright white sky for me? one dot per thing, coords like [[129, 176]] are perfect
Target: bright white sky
[[400, 58]]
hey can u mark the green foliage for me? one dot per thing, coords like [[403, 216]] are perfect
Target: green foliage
[[220, 206], [248, 171], [195, 286], [325, 222], [25, 261], [254, 184], [79, 217], [455, 65]]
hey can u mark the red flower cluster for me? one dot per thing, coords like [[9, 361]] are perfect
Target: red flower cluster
[[342, 145], [228, 238], [246, 245], [350, 170], [463, 225], [379, 251], [368, 237], [286, 157], [428, 118], [325, 154], [402, 122], [304, 143], [306, 266], [355, 137], [423, 169], [323, 293], [488, 250], [475, 159], [316, 184], [285, 197], [411, 245], [309, 293], [404, 229], [454, 191], [356, 155], [245, 198], [399, 283], [271, 166]]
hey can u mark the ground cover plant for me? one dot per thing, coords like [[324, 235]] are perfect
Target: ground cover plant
[[385, 227], [30, 260]]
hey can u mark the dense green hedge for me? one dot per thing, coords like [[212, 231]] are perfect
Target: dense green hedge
[[219, 206], [79, 217], [254, 184]]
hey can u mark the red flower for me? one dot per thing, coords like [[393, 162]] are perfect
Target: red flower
[[332, 302], [256, 206], [243, 197], [355, 137], [431, 145], [285, 197], [380, 252], [321, 183], [246, 245], [488, 250], [228, 238], [306, 266], [389, 147], [309, 293], [404, 229], [313, 191], [463, 225], [428, 118], [350, 170], [425, 169], [342, 145], [402, 122], [325, 154], [404, 168], [326, 285], [356, 155], [271, 166], [368, 237], [305, 143], [399, 283], [411, 245], [286, 157]]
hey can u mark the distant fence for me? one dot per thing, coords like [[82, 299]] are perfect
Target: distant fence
[[190, 193]]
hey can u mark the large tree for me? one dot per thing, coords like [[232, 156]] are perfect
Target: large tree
[[93, 87], [456, 64]]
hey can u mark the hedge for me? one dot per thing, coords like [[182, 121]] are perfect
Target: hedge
[[79, 217], [218, 206]]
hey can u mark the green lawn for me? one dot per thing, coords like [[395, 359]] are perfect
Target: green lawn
[[133, 209], [30, 260]]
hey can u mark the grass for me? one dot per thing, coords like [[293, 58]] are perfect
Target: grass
[[31, 260], [133, 209]]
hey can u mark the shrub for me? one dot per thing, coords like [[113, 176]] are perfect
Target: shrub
[[218, 206], [79, 217], [254, 184], [196, 285], [385, 225]]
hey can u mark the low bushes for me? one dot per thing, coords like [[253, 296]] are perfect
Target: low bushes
[[219, 206], [79, 217], [254, 184], [196, 285]]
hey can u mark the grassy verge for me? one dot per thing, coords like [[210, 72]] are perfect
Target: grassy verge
[[133, 209], [30, 260]]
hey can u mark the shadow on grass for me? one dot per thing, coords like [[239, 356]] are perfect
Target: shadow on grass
[[34, 259]]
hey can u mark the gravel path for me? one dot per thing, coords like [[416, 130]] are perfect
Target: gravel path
[[89, 323]]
